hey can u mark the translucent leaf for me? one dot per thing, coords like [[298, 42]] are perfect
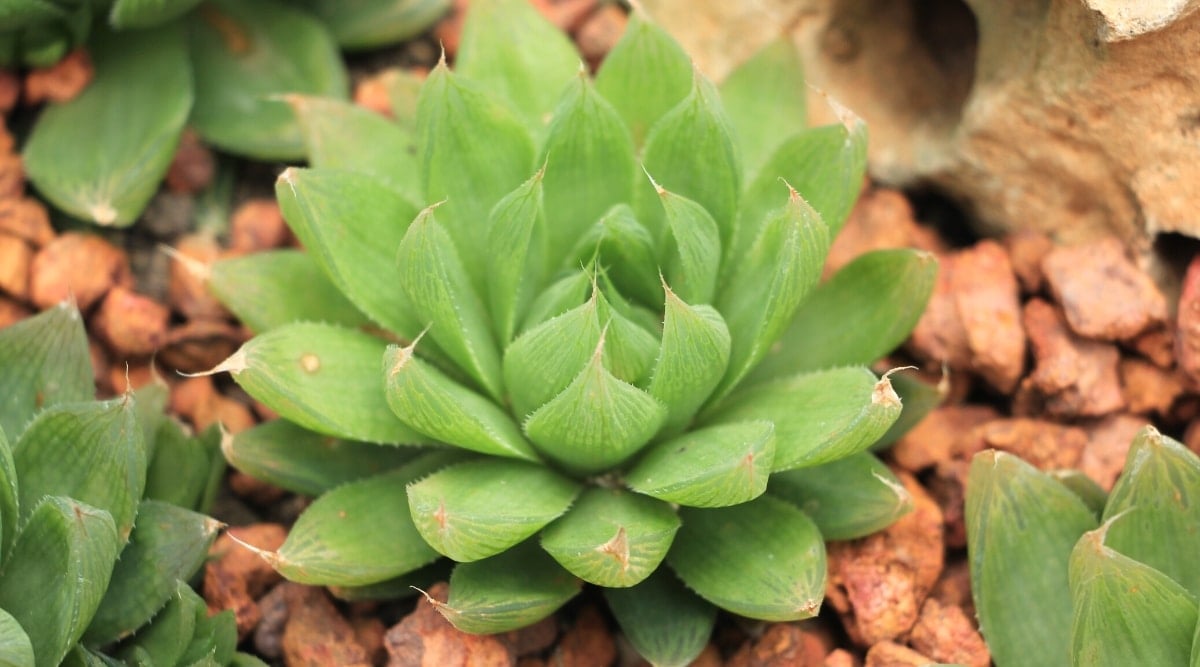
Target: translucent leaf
[[89, 452], [302, 461], [666, 623], [691, 361], [127, 14], [165, 638], [695, 257], [9, 510], [1126, 612], [15, 648], [765, 100], [611, 537], [770, 283], [1021, 527], [511, 590], [478, 509], [101, 156], [541, 362], [435, 279], [848, 498], [325, 378], [712, 467], [368, 24], [819, 417], [44, 361], [731, 557], [529, 72], [589, 164], [341, 135], [644, 75], [863, 312], [1158, 496], [629, 350], [517, 261], [246, 55], [260, 289], [168, 544], [597, 422], [56, 573], [626, 248]]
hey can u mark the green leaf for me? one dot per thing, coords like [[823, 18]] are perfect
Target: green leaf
[[770, 283], [589, 164], [508, 591], [863, 312], [322, 377], [530, 72], [918, 397], [819, 417], [404, 90], [369, 24], [246, 55], [624, 246], [848, 498], [260, 289], [168, 544], [478, 509], [214, 640], [765, 100], [597, 422], [612, 538], [517, 261], [543, 361], [359, 533], [666, 623], [1021, 526], [56, 574], [341, 135], [473, 152], [44, 361], [1126, 612], [101, 156], [562, 295], [732, 557], [302, 461], [644, 75], [691, 361], [629, 350], [712, 467], [1083, 486], [1158, 494], [695, 255], [9, 509], [181, 468], [89, 452], [403, 586], [166, 637], [127, 14], [150, 403], [435, 279], [15, 648]]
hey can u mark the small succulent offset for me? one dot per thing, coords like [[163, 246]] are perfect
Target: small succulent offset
[[609, 355], [100, 523], [1064, 574]]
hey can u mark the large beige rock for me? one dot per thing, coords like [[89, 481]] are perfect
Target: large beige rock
[[1076, 117]]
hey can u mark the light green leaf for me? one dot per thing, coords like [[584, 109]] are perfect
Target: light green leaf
[[260, 289], [695, 248], [214, 640], [691, 361], [543, 361], [44, 361], [765, 100], [150, 404], [732, 557], [56, 573], [1021, 527], [517, 257], [626, 248], [644, 75], [712, 467], [245, 55], [1085, 487], [819, 417], [848, 498], [101, 156], [629, 350], [436, 406], [299, 460], [404, 89], [478, 509], [322, 377], [15, 648], [127, 14], [770, 283], [612, 538], [863, 312], [369, 24], [511, 590], [165, 639], [918, 397], [182, 467], [562, 295], [666, 623], [89, 452], [9, 510]]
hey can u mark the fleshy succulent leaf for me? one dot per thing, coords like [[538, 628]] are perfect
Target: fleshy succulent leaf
[[127, 14], [695, 256], [612, 537], [15, 647], [712, 467], [44, 361], [477, 509], [1085, 487], [731, 557], [765, 100], [517, 258], [629, 350], [183, 467], [668, 624], [367, 24], [619, 241], [543, 361], [691, 360], [405, 585], [644, 75], [564, 294], [166, 637], [847, 498], [9, 509], [918, 397]]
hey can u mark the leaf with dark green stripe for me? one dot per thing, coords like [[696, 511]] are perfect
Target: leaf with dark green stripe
[[848, 498], [667, 624], [44, 361], [691, 360], [644, 75], [712, 467]]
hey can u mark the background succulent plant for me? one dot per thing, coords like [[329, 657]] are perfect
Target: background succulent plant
[[99, 521], [612, 316], [1062, 574]]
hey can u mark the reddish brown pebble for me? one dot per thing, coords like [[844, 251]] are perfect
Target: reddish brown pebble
[[61, 81], [369, 632], [425, 638], [1026, 250], [187, 396], [534, 638], [948, 487], [372, 93], [936, 437], [567, 15], [840, 657], [232, 415], [102, 373], [7, 141], [1076, 377], [1191, 436], [1107, 445], [193, 166], [84, 266], [1104, 295], [939, 336], [882, 218], [1148, 388], [235, 576], [986, 297], [188, 287], [273, 610], [12, 176], [133, 325], [254, 490], [316, 634], [11, 311], [1156, 344], [782, 645], [26, 219], [891, 654], [198, 345], [15, 259], [588, 643], [257, 225], [1044, 444], [946, 634], [599, 32], [709, 657], [10, 90], [954, 586], [1187, 336]]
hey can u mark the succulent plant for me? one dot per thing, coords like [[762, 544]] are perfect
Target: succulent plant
[[602, 346], [98, 524], [1063, 573]]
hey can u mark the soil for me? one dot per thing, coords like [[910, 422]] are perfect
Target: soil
[[1057, 354]]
